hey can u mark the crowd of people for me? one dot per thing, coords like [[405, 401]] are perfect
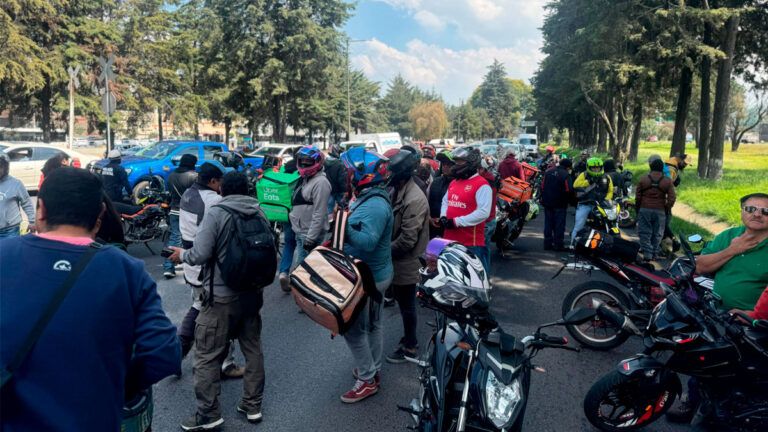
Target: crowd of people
[[396, 203]]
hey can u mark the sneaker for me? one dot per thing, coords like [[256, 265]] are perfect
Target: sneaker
[[202, 423], [233, 371], [169, 274], [284, 282], [360, 391], [400, 354], [376, 377], [178, 267], [253, 415]]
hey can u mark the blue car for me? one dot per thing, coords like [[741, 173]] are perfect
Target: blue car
[[151, 165]]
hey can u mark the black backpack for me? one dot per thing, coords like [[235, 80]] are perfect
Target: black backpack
[[251, 254]]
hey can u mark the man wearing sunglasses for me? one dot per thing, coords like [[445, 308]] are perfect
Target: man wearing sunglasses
[[738, 257]]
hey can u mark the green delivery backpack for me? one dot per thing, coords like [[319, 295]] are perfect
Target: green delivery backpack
[[274, 192]]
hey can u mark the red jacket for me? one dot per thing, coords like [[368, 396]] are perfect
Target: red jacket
[[761, 308], [511, 167]]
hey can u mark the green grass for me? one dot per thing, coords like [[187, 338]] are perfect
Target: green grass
[[745, 171], [680, 226]]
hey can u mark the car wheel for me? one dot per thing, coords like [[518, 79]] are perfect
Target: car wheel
[[139, 186]]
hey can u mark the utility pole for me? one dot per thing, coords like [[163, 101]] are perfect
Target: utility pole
[[108, 100], [349, 96], [74, 83]]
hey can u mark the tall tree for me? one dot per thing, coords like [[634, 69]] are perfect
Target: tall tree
[[495, 96], [400, 97], [429, 120]]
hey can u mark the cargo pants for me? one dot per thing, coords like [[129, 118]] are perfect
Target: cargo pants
[[219, 321]]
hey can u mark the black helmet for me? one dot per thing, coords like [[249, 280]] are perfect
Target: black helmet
[[404, 163], [468, 169]]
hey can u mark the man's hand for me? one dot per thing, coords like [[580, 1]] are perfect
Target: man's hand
[[176, 255], [435, 222], [447, 223], [743, 243], [309, 245]]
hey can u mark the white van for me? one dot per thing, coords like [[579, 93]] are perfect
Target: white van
[[531, 143], [378, 142], [448, 143]]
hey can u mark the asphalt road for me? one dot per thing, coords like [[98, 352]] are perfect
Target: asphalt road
[[307, 371]]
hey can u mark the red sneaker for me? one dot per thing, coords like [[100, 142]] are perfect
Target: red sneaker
[[360, 391]]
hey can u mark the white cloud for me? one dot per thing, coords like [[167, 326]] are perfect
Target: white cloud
[[452, 73], [429, 20], [485, 10]]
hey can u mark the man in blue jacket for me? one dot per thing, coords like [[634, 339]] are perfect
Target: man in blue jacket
[[107, 340]]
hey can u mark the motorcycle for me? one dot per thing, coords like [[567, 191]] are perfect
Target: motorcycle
[[474, 376], [727, 354], [147, 221], [605, 217], [638, 290], [510, 220]]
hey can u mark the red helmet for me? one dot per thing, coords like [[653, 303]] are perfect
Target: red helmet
[[429, 151], [550, 149]]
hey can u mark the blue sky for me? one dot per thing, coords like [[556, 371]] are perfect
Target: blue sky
[[445, 45]]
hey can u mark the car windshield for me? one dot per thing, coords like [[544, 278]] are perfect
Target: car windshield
[[157, 150], [488, 149], [268, 151], [528, 141]]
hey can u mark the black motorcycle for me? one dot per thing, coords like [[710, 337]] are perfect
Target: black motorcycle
[[147, 221], [510, 220], [474, 376], [687, 335]]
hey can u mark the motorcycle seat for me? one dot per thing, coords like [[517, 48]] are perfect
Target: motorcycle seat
[[128, 210], [759, 336]]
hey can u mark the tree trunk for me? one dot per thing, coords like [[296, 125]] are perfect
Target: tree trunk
[[637, 120], [681, 115], [277, 118], [736, 140], [602, 135], [46, 94], [159, 123], [227, 129], [723, 89], [705, 108]]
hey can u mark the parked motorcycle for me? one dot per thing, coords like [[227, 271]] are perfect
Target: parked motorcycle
[[605, 217], [637, 292], [510, 220], [688, 335], [147, 221], [474, 376]]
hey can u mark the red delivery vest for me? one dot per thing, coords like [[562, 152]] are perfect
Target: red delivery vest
[[461, 202]]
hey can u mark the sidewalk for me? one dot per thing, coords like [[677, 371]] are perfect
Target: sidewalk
[[709, 223]]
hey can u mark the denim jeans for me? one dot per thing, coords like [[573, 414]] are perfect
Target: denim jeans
[[365, 338], [11, 231], [490, 227], [582, 212], [554, 226], [482, 254], [650, 229], [174, 239], [288, 248], [300, 252]]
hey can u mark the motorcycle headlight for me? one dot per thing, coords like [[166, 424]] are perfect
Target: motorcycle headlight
[[611, 213], [501, 400]]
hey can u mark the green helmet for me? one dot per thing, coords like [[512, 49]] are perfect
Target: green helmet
[[595, 166], [445, 156]]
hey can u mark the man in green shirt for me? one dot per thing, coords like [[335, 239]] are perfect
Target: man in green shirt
[[739, 256]]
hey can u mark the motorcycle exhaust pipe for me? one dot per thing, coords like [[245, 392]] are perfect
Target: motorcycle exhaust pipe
[[420, 363], [615, 318]]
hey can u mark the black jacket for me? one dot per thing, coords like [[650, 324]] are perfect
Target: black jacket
[[115, 181], [556, 188], [178, 182], [437, 191], [337, 175]]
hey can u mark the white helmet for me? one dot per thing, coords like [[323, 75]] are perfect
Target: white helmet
[[459, 275], [114, 154]]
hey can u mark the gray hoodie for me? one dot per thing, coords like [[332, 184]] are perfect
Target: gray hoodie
[[13, 198], [311, 220], [212, 237]]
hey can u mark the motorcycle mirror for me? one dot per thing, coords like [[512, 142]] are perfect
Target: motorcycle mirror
[[176, 160], [695, 238], [579, 316]]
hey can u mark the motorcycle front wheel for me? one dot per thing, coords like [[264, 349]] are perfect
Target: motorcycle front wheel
[[618, 402], [598, 333]]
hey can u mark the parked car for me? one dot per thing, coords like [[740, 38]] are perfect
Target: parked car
[[28, 159], [282, 151], [152, 164]]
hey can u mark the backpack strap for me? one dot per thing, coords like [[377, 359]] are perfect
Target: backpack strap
[[50, 310]]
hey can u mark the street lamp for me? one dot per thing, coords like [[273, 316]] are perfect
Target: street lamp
[[349, 97]]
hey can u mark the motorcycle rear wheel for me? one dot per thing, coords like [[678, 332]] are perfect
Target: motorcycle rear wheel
[[617, 402], [597, 334]]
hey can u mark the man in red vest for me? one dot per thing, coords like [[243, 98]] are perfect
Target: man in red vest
[[467, 204]]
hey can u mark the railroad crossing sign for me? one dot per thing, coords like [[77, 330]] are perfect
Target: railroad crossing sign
[[73, 73], [108, 103], [106, 68]]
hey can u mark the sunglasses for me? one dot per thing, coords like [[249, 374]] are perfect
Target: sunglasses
[[752, 209]]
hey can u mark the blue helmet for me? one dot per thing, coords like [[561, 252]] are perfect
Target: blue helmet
[[365, 167]]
